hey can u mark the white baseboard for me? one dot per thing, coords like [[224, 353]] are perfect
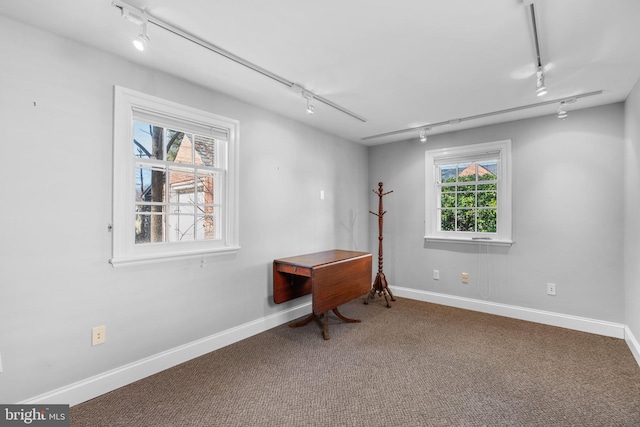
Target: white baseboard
[[95, 386], [583, 324], [633, 344]]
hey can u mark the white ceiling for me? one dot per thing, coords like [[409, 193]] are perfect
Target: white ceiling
[[399, 65]]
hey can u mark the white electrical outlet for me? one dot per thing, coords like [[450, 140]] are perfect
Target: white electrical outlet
[[465, 277], [436, 274], [551, 288], [98, 335]]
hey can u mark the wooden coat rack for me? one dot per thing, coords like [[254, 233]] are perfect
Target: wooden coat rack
[[380, 285]]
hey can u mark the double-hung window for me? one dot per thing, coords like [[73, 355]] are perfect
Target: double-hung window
[[175, 180], [468, 193]]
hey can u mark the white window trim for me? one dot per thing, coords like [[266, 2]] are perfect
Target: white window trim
[[503, 237], [124, 249]]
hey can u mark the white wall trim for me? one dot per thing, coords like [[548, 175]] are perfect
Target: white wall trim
[[577, 323], [97, 385], [633, 344]]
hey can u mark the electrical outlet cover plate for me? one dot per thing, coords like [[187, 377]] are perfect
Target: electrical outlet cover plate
[[98, 335], [551, 288], [465, 277]]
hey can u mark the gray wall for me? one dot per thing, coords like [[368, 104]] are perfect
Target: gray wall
[[567, 217], [632, 212], [55, 281]]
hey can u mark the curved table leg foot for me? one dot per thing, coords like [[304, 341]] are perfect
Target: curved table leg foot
[[344, 318], [303, 322]]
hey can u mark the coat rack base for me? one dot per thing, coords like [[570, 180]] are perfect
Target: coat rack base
[[381, 288]]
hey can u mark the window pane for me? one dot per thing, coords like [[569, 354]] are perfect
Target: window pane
[[466, 220], [488, 170], [149, 183], [447, 220], [149, 224], [209, 224], [179, 147], [466, 188], [147, 141], [487, 198], [143, 184], [181, 185], [205, 153], [448, 173], [448, 200], [209, 187], [466, 172], [466, 200], [180, 225], [487, 220], [487, 187]]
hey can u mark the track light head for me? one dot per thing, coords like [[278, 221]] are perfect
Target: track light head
[[310, 107], [562, 113], [423, 134], [306, 95], [541, 89], [142, 41]]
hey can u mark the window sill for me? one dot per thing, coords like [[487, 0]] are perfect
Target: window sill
[[156, 258], [468, 240]]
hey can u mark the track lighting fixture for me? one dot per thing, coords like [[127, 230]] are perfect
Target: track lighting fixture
[[423, 134], [310, 107], [308, 96], [563, 102], [541, 89], [138, 17], [562, 113], [142, 40]]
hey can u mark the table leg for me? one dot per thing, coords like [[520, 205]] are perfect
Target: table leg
[[325, 326], [345, 318], [325, 321], [303, 322]]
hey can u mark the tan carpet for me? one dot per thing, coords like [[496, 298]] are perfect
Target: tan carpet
[[415, 364]]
